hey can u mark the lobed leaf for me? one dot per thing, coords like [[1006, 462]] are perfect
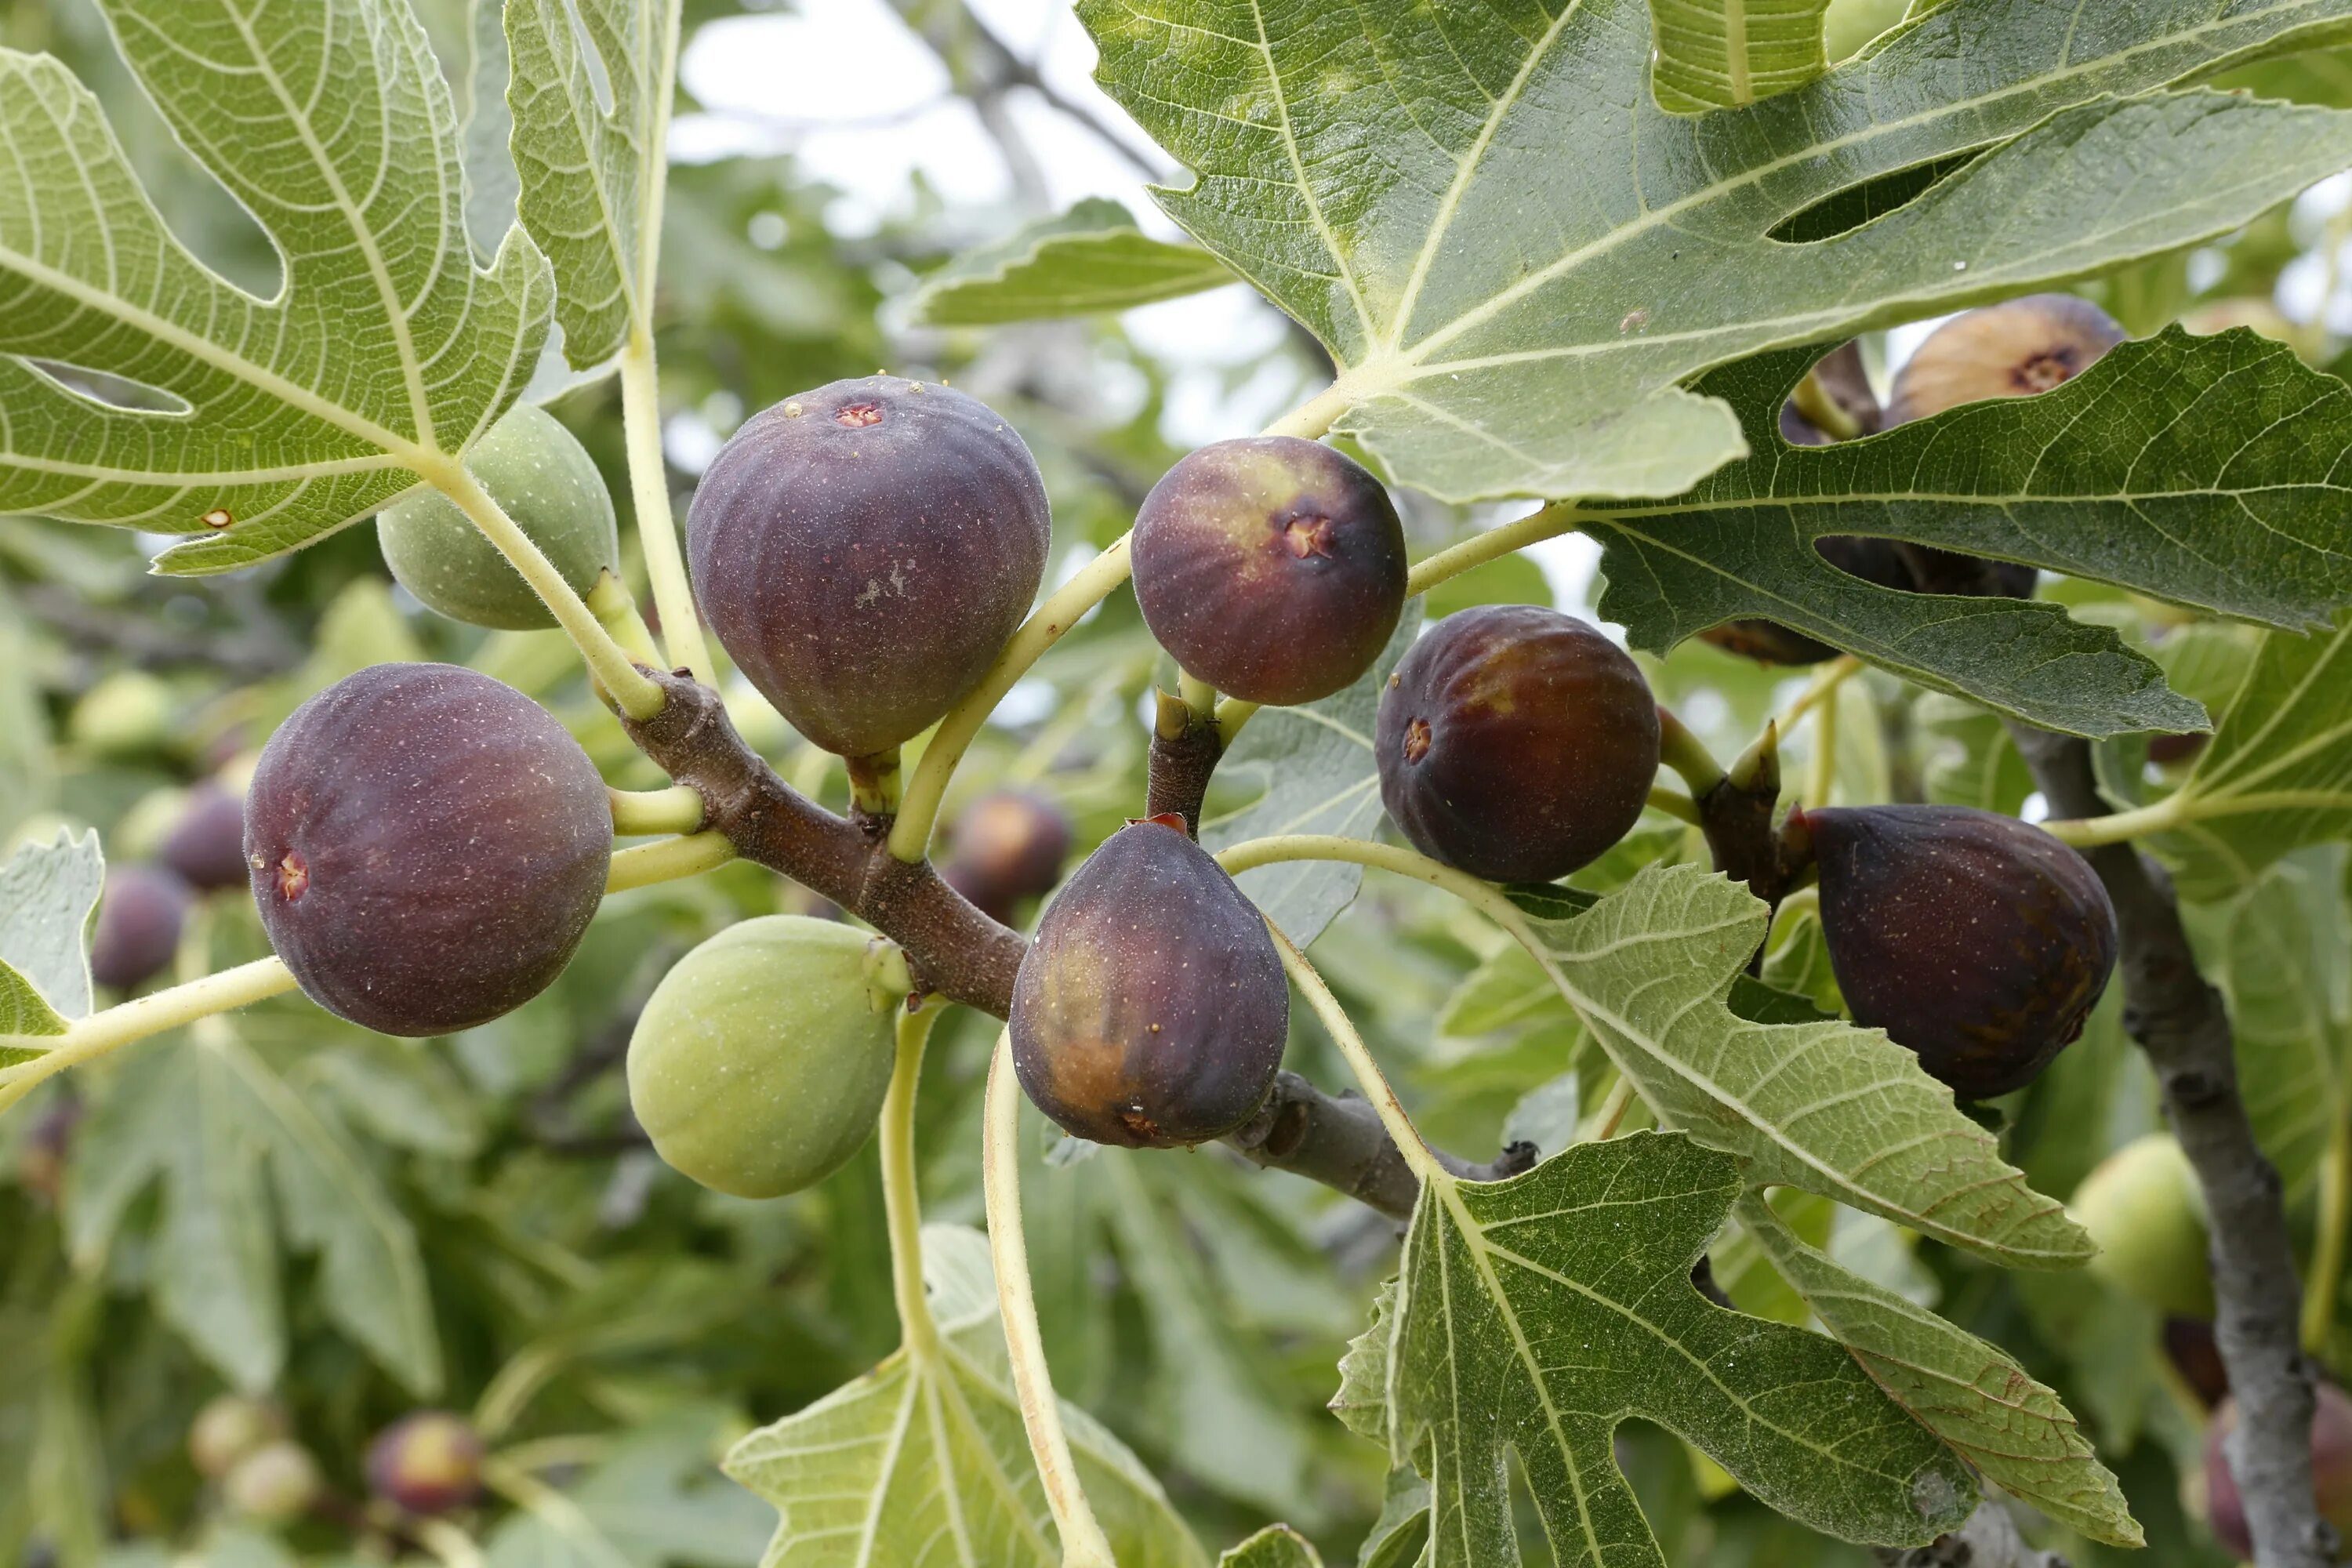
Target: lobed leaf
[[284, 419], [46, 894], [1089, 260], [1518, 260]]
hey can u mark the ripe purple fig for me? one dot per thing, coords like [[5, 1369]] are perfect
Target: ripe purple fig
[[2014, 349], [2331, 1470], [1515, 743], [426, 847], [1009, 845], [140, 914], [863, 551], [1152, 1009], [427, 1462], [1976, 941], [1270, 568], [206, 846]]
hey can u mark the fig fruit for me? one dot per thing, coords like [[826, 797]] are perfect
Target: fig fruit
[[277, 1482], [864, 550], [1152, 1010], [207, 845], [427, 1462], [759, 1064], [1007, 846], [1878, 560], [125, 716], [1270, 568], [1515, 743], [1979, 942], [426, 847], [2142, 1206], [2331, 1470], [545, 479], [2014, 349], [139, 912], [227, 1429]]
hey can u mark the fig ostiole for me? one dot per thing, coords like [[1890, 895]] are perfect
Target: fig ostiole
[[426, 847], [1515, 743], [1152, 1009], [863, 551], [1270, 568], [2015, 349], [759, 1065], [544, 478], [1979, 942]]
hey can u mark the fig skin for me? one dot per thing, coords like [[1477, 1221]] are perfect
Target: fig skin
[[1151, 1011], [428, 1462], [2143, 1206], [1976, 941], [759, 1063], [206, 846], [863, 552], [1270, 568], [426, 847], [1515, 743], [2331, 1470], [2014, 349], [1007, 846], [541, 476], [140, 914]]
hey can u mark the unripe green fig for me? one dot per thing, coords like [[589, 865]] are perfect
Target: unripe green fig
[[229, 1428], [759, 1065], [863, 552], [277, 1482], [126, 715], [541, 476], [1978, 941], [140, 915], [426, 847], [1007, 846], [2331, 1470], [1270, 568], [2014, 349], [207, 845], [1515, 743], [427, 1462], [1151, 1011], [2143, 1206]]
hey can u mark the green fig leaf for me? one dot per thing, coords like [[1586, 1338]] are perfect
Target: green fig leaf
[[1275, 1546], [46, 894], [1719, 54], [1091, 260]]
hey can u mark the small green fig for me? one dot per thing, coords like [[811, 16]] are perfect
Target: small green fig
[[545, 479], [1270, 568], [229, 1428], [1152, 1010], [2331, 1470], [2143, 1206], [125, 716], [1978, 941], [428, 1462], [274, 1484], [1515, 743], [863, 552], [759, 1065]]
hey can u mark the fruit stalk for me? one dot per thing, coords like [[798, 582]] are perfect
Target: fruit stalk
[[2182, 1024], [649, 491], [900, 1202]]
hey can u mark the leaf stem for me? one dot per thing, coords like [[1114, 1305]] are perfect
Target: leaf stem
[[649, 488], [1560, 517], [1823, 685], [94, 1036], [1231, 714], [1084, 1545], [1374, 1082], [1255, 852], [677, 809], [926, 786], [1311, 420], [901, 1198], [1820, 771], [2089, 832], [616, 611], [637, 696], [667, 860], [2327, 1256]]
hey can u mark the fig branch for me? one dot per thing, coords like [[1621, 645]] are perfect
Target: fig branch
[[2180, 1021]]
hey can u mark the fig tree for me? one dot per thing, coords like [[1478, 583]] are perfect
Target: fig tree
[[2331, 1470], [207, 845], [759, 1063], [1515, 743], [1270, 568], [1151, 1011], [1975, 939], [1007, 846], [427, 1462], [426, 847], [864, 550], [139, 912], [2014, 349], [2142, 1206], [545, 479]]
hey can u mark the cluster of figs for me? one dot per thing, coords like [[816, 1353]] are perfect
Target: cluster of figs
[[427, 845]]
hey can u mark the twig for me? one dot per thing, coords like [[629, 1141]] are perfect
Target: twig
[[1988, 1540], [2181, 1023]]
